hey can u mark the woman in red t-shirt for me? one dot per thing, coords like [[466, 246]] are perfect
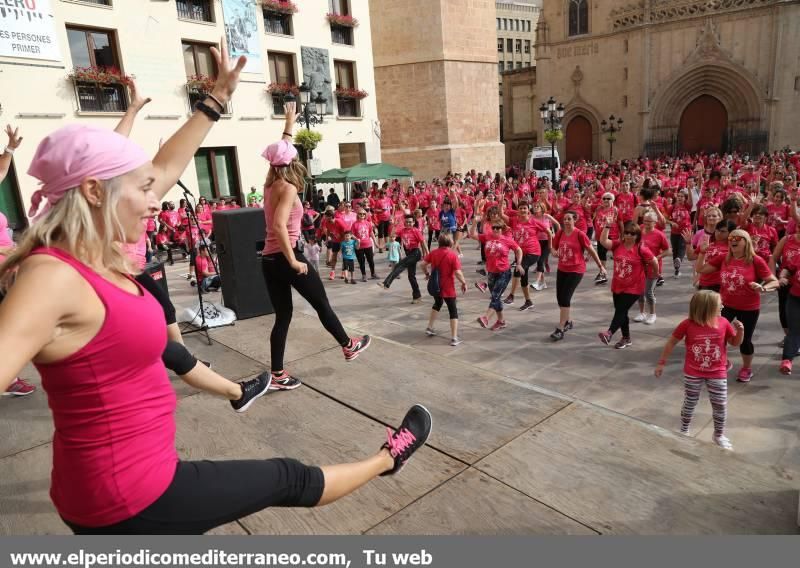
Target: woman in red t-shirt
[[363, 231], [498, 268], [569, 245], [680, 220], [631, 258], [706, 360], [741, 274], [787, 253], [764, 236], [606, 215], [446, 261], [655, 240]]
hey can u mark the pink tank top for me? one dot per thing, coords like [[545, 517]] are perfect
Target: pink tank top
[[113, 410], [292, 224]]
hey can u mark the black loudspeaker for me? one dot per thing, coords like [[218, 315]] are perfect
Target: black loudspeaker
[[239, 234], [157, 272]]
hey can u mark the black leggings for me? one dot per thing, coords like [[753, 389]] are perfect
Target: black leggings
[[432, 233], [622, 303], [542, 261], [159, 294], [280, 279], [207, 494], [452, 308], [792, 341], [408, 263], [366, 254], [678, 248], [528, 260], [566, 284], [783, 296], [749, 319], [383, 229], [602, 252]]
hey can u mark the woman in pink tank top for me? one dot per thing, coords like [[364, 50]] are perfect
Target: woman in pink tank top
[[283, 263], [97, 339]]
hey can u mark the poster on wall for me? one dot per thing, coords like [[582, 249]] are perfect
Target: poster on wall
[[242, 33], [27, 29]]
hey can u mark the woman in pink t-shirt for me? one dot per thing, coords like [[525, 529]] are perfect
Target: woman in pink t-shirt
[[631, 259], [744, 277], [655, 240], [707, 336], [498, 269], [363, 231]]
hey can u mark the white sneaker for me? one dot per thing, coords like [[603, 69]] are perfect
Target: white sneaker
[[429, 331], [723, 442], [640, 318], [455, 341], [650, 319], [537, 286]]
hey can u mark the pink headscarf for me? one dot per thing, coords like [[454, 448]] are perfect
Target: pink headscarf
[[280, 153], [73, 153], [5, 239]]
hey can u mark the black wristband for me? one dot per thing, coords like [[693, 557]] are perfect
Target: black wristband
[[207, 110], [289, 134]]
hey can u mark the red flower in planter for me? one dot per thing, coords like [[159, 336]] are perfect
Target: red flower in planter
[[283, 89], [342, 20], [280, 6], [202, 83], [100, 75], [348, 93]]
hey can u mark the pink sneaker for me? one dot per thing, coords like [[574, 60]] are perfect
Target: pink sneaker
[[498, 325], [484, 321], [745, 374], [19, 388], [482, 286], [786, 367], [332, 275]]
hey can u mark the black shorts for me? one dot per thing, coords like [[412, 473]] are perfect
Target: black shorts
[[383, 229], [348, 264], [208, 494], [334, 247]]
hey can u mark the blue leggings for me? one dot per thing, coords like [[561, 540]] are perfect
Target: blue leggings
[[498, 282]]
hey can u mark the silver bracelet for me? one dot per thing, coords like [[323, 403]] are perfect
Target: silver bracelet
[[9, 150]]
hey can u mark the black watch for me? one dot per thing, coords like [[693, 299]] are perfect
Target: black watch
[[207, 110]]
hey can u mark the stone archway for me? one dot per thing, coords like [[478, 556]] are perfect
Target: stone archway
[[703, 126], [725, 82], [578, 138]]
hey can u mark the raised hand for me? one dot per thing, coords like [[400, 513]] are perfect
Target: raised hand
[[14, 139], [137, 100], [227, 73]]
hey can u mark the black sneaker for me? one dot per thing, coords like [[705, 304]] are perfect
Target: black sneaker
[[568, 325], [528, 305], [284, 381], [357, 346], [598, 278], [409, 437], [509, 300], [251, 391], [660, 281], [557, 335], [602, 280]]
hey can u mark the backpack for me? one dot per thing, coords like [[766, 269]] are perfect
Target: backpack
[[434, 285]]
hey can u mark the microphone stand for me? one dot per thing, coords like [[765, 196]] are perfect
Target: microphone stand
[[192, 217]]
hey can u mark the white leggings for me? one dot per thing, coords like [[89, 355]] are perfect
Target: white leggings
[[717, 393]]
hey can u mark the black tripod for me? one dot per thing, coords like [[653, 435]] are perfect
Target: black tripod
[[192, 217]]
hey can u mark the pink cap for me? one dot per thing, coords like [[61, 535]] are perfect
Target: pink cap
[[73, 153], [280, 153]]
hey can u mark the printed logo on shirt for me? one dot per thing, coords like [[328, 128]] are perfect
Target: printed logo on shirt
[[565, 253], [623, 267], [706, 354], [732, 279]]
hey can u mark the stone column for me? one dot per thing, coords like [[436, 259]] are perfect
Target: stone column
[[436, 85]]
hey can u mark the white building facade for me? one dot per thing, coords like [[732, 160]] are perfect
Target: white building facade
[[166, 44]]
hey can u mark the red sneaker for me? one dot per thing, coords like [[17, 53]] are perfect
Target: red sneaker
[[786, 367], [19, 388], [498, 325]]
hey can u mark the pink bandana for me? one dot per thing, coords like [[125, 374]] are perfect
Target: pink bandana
[[73, 153], [280, 153]]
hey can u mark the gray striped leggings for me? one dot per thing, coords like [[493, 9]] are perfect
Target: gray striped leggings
[[717, 393]]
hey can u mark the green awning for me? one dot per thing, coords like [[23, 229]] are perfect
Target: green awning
[[363, 172]]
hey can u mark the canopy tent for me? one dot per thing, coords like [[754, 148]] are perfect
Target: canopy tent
[[362, 172]]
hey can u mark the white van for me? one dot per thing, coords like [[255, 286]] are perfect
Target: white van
[[539, 161]]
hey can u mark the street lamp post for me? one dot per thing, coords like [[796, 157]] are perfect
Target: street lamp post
[[551, 114], [611, 128], [312, 116]]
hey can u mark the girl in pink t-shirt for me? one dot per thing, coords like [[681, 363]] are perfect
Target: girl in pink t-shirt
[[706, 334]]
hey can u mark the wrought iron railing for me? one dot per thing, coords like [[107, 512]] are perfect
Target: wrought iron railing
[[94, 97], [275, 23], [341, 34], [199, 10]]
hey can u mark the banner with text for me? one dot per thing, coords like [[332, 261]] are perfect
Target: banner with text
[[27, 29], [242, 33]]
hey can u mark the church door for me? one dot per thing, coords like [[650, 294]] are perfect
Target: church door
[[703, 125], [579, 139]]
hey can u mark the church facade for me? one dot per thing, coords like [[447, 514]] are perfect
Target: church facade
[[684, 75]]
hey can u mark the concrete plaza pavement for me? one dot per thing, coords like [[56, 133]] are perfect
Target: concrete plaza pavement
[[530, 437]]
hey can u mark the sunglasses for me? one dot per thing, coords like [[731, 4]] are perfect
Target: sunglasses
[[606, 199], [735, 239], [497, 228], [631, 233]]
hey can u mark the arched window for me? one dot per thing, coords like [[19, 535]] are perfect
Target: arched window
[[578, 17]]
